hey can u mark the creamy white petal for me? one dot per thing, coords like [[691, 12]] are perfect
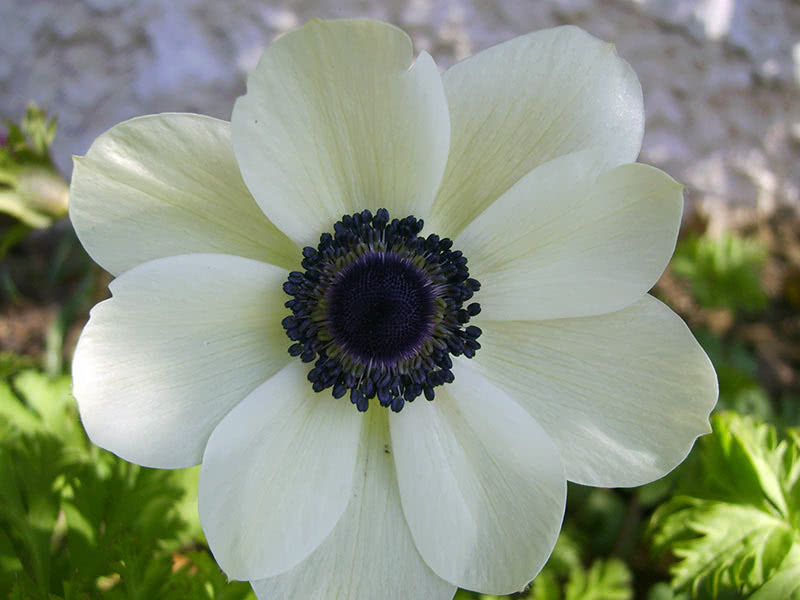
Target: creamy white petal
[[564, 243], [337, 119], [277, 475], [370, 553], [182, 341], [482, 485], [168, 184], [526, 101], [623, 395]]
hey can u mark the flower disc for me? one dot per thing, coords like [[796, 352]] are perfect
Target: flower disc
[[380, 308]]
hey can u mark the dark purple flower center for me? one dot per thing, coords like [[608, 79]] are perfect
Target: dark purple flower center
[[379, 310]]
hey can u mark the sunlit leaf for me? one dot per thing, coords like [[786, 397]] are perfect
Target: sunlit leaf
[[31, 189], [566, 578], [77, 522], [736, 525], [723, 272], [605, 580], [199, 576], [663, 591], [31, 468], [784, 585]]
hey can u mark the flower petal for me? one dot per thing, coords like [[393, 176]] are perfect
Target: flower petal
[[481, 484], [168, 184], [562, 243], [336, 119], [370, 553], [183, 340], [623, 395], [526, 101], [277, 475]]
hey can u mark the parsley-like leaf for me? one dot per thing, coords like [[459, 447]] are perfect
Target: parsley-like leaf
[[736, 524]]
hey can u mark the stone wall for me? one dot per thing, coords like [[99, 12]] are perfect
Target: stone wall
[[720, 77]]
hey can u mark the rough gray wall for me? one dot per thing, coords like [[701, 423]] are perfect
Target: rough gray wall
[[720, 77]]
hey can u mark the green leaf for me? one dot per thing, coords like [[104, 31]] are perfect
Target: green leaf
[[77, 522], [29, 141], [11, 364], [31, 189], [14, 204], [50, 398], [33, 402], [736, 523], [723, 272], [605, 580], [737, 371], [740, 546], [187, 480], [31, 479], [784, 585], [565, 576], [200, 577], [14, 414], [119, 517], [546, 586], [663, 591]]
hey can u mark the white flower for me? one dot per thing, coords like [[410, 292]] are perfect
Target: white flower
[[523, 155]]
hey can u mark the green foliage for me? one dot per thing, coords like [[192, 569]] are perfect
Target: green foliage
[[201, 578], [736, 527], [29, 141], [663, 591], [31, 189], [722, 272], [597, 516], [11, 364], [605, 580], [737, 371], [77, 522], [565, 577]]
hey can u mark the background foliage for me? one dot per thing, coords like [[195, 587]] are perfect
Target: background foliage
[[77, 522]]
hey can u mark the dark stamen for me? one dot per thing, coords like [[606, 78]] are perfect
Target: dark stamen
[[379, 310]]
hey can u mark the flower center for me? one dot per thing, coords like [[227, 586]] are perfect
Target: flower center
[[379, 309]]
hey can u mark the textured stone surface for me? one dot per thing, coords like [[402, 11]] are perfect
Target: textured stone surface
[[720, 77]]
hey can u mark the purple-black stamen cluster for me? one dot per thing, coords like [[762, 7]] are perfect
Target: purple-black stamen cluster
[[380, 310]]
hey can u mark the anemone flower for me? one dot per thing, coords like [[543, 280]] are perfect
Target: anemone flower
[[419, 432]]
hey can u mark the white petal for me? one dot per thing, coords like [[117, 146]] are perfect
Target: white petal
[[277, 475], [561, 243], [526, 101], [370, 553], [336, 119], [623, 395], [482, 485], [168, 184], [182, 341]]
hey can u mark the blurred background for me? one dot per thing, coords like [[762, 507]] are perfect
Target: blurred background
[[720, 77], [720, 81]]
